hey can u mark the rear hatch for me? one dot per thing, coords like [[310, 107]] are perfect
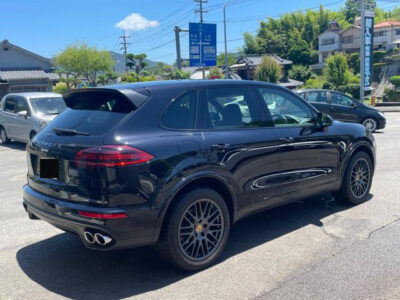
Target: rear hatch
[[69, 161]]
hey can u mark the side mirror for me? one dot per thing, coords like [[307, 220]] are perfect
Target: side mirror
[[324, 121], [23, 113]]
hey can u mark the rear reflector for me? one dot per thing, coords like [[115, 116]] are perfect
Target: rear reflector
[[102, 216], [111, 156]]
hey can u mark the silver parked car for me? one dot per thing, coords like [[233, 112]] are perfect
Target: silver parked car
[[23, 115]]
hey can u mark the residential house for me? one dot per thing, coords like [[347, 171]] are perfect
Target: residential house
[[387, 35], [350, 38], [24, 71], [247, 64]]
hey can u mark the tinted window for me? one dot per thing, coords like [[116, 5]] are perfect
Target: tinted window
[[340, 99], [319, 97], [21, 105], [287, 110], [181, 113], [10, 105], [93, 112], [231, 108]]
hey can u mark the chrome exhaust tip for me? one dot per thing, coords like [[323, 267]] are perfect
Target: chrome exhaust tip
[[102, 240], [89, 237]]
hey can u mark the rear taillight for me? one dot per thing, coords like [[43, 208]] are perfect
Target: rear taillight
[[111, 156], [102, 216]]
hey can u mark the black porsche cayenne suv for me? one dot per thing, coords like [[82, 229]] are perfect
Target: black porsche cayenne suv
[[175, 164]]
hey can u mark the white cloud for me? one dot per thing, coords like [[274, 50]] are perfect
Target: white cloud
[[136, 22]]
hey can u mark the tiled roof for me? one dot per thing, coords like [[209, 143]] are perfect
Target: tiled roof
[[387, 24], [27, 74]]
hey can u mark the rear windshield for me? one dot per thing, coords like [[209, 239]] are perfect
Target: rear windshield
[[93, 112]]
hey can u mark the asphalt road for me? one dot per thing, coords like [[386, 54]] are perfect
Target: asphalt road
[[315, 249]]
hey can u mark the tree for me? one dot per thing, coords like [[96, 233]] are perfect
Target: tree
[[215, 73], [81, 60], [250, 44], [353, 61], [337, 70], [106, 78], [269, 70], [352, 10], [300, 72], [300, 53], [136, 62], [221, 59]]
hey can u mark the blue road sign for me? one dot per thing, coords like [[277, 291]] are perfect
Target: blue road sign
[[202, 44], [368, 46]]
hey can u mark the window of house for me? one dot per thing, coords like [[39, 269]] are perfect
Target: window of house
[[286, 110], [181, 113], [397, 32], [328, 41], [232, 108], [347, 39]]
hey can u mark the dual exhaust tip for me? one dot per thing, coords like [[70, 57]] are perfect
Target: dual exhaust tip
[[97, 238]]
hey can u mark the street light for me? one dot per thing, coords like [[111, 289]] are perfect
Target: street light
[[226, 46]]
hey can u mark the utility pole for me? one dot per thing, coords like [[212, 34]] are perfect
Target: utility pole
[[201, 12], [177, 30], [226, 43], [362, 52], [124, 46]]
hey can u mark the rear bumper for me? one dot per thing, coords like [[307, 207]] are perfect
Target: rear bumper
[[134, 231]]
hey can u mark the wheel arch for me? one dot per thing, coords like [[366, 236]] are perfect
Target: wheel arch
[[212, 181]]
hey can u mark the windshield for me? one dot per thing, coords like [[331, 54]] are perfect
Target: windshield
[[48, 105]]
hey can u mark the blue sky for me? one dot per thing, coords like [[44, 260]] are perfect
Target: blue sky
[[47, 26]]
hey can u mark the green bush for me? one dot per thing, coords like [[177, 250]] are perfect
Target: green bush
[[379, 56], [328, 86], [315, 83], [300, 72], [337, 71], [395, 80], [61, 87]]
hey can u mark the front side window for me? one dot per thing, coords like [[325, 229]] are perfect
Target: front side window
[[181, 113], [21, 105], [10, 105], [340, 99], [287, 110], [317, 97], [231, 108]]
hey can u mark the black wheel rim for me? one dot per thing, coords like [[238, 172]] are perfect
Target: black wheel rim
[[360, 178], [201, 230]]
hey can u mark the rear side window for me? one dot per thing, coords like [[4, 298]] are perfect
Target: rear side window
[[181, 113], [93, 112], [319, 97], [232, 107], [340, 99], [10, 105]]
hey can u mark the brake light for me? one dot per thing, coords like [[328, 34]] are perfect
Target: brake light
[[111, 156], [102, 216]]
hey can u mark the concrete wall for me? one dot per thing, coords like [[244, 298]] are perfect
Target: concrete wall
[[15, 59]]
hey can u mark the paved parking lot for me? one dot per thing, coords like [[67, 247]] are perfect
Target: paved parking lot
[[315, 249]]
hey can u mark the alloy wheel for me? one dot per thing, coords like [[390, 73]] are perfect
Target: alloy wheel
[[360, 178], [370, 124], [201, 229]]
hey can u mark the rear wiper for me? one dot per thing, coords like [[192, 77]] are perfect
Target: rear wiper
[[63, 131]]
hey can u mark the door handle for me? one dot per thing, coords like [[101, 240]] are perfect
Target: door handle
[[220, 146], [288, 139], [332, 107]]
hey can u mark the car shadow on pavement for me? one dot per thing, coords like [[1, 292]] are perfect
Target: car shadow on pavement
[[15, 145], [62, 264]]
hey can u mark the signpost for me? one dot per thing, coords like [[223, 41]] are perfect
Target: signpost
[[202, 44]]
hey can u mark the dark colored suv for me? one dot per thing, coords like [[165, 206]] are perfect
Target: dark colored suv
[[175, 164], [344, 108]]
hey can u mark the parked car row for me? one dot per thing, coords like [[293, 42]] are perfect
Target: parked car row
[[174, 164]]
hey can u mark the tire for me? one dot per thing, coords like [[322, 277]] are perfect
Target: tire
[[351, 192], [370, 123], [188, 242], [3, 136]]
